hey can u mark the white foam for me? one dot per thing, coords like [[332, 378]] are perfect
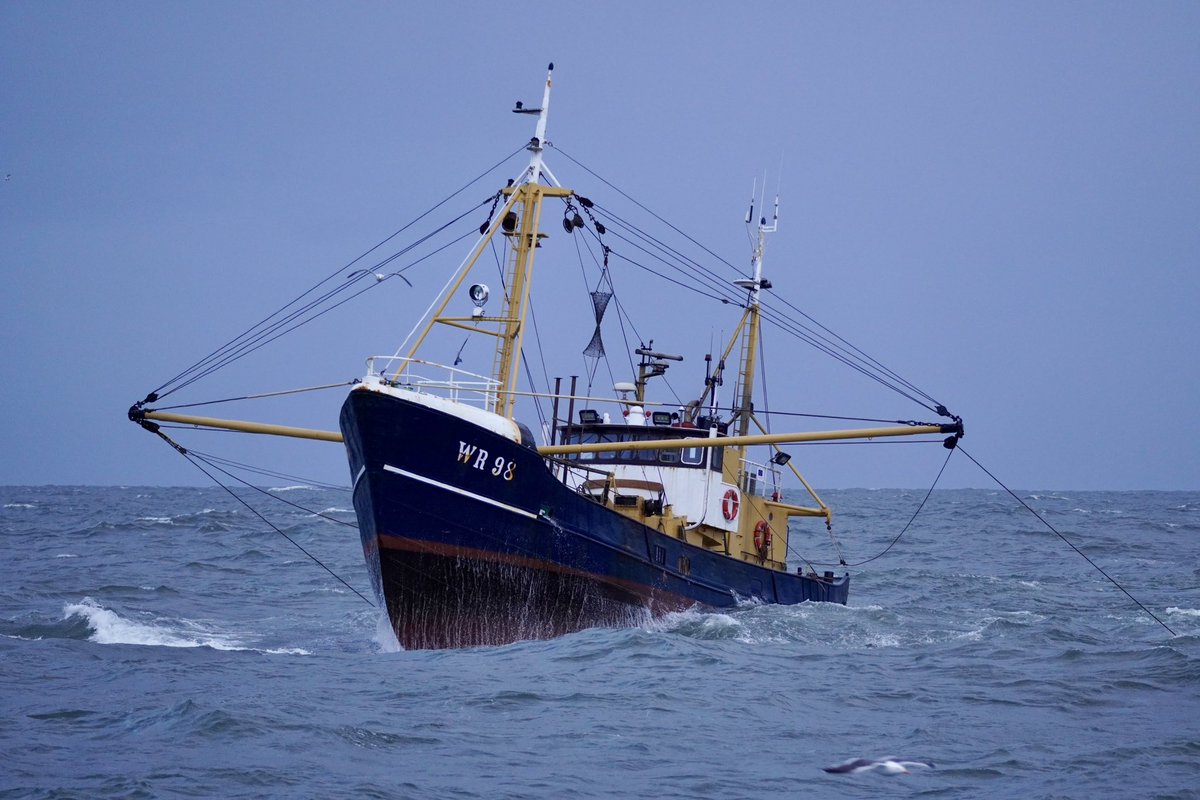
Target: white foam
[[1186, 612], [157, 520], [689, 616], [109, 627], [66, 555], [288, 488], [717, 621], [19, 505], [385, 638]]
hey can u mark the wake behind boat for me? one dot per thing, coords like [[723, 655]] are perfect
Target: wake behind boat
[[476, 531]]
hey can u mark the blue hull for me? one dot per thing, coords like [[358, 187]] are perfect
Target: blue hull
[[493, 549]]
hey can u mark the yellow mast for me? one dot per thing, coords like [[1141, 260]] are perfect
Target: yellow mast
[[507, 363], [518, 221]]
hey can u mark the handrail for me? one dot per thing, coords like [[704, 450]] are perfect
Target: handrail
[[482, 388]]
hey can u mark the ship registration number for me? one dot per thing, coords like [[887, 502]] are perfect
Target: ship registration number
[[477, 457]]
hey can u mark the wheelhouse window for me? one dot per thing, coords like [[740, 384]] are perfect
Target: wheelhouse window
[[695, 457], [587, 438]]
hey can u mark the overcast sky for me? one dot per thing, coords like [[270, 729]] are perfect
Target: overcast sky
[[999, 201]]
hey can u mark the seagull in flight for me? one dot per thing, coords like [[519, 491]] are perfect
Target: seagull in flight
[[379, 276], [888, 766]]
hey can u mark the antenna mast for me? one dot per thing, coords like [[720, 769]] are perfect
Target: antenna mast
[[744, 405]]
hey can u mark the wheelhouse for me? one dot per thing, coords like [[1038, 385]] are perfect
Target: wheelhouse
[[690, 457]]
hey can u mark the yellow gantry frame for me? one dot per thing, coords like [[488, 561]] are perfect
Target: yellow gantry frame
[[511, 322]]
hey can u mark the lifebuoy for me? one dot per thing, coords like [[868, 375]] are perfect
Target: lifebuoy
[[729, 505], [762, 537]]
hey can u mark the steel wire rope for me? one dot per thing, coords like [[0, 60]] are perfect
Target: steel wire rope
[[669, 279], [691, 272], [865, 356], [866, 366], [260, 396], [838, 417], [850, 349], [661, 246], [271, 495], [801, 331], [808, 339], [907, 525], [644, 208], [255, 512], [685, 263], [1068, 542], [339, 270], [239, 344], [274, 332], [849, 352], [847, 360], [266, 472], [187, 454], [406, 567]]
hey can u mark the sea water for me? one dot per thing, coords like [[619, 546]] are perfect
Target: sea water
[[159, 642]]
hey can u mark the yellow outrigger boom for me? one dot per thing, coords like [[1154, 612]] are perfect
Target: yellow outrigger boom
[[563, 449]]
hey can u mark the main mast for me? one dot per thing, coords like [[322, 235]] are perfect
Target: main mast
[[743, 399], [526, 203]]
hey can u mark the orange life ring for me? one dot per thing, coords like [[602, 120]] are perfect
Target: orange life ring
[[729, 505], [762, 537]]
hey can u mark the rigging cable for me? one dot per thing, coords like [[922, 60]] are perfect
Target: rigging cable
[[195, 462], [236, 349], [310, 482], [260, 396], [845, 352], [155, 429], [911, 519], [647, 210], [233, 342], [1053, 530]]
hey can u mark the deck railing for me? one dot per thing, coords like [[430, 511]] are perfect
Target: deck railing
[[762, 480], [441, 380]]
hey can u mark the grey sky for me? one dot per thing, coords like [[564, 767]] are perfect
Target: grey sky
[[1001, 202]]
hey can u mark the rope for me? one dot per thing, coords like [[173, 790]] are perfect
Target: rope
[[195, 463], [234, 343], [266, 472], [648, 211], [907, 525], [236, 349], [260, 396], [1068, 542], [817, 335]]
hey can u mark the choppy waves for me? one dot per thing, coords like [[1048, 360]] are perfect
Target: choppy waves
[[165, 642], [106, 626]]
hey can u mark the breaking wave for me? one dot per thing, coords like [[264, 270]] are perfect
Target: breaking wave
[[109, 627]]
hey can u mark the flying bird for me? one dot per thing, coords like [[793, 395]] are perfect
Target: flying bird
[[379, 276], [888, 766]]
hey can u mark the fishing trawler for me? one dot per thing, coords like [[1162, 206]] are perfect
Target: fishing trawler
[[476, 531]]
